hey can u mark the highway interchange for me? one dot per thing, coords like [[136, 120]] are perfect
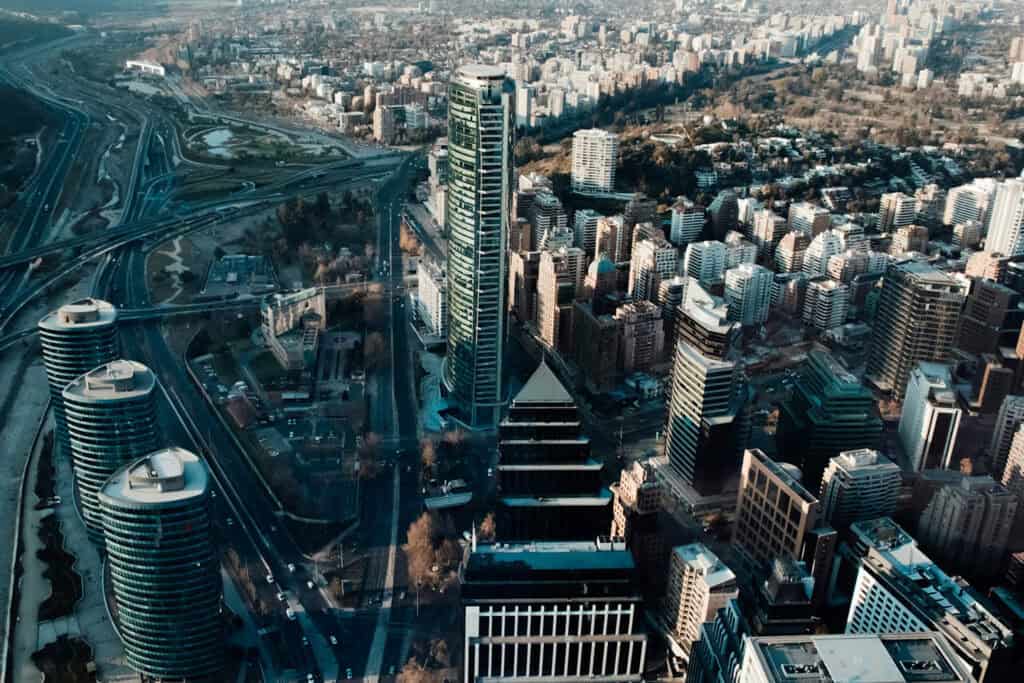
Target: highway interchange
[[373, 638]]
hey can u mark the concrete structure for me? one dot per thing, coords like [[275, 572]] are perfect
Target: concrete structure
[[1012, 475], [868, 658], [291, 324], [164, 574], [550, 486], [916, 321], [826, 303], [810, 219], [789, 254], [931, 418], [748, 292], [636, 504], [705, 262], [724, 213], [859, 485], [594, 157], [824, 246], [523, 271], [970, 203], [653, 260], [991, 318], [768, 229], [687, 222], [596, 347], [1006, 226], [642, 343], [75, 338], [432, 297], [896, 210], [111, 420], [547, 217], [551, 612], [147, 68], [556, 292], [613, 239], [585, 226], [480, 130], [967, 526], [699, 584], [898, 589]]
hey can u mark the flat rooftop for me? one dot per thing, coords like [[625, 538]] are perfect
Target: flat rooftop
[[119, 380], [81, 314], [161, 478]]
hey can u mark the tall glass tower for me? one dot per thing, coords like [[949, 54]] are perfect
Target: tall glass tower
[[480, 128]]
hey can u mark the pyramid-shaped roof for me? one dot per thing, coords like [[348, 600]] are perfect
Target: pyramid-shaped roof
[[543, 387]]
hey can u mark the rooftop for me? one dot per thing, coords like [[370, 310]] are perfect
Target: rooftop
[[543, 387], [700, 558], [83, 313], [167, 476], [118, 380]]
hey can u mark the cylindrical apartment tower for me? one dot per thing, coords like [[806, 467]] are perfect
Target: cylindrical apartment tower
[[163, 570], [76, 338], [111, 421]]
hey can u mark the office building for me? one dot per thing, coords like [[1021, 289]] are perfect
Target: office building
[[291, 323], [613, 239], [859, 485], [824, 246], [601, 280], [898, 589], [748, 292], [881, 658], [552, 612], [967, 525], [931, 418], [642, 343], [789, 254], [585, 227], [1006, 225], [917, 318], [705, 262], [1012, 476], [549, 486], [547, 218], [702, 321], [111, 421], [706, 428], [75, 338], [699, 584], [164, 574], [896, 210], [596, 347], [987, 265], [556, 292], [826, 303], [724, 214], [810, 219], [595, 153], [636, 504], [687, 222], [432, 297], [827, 412], [991, 318], [768, 229], [669, 296], [523, 271], [654, 260], [480, 129]]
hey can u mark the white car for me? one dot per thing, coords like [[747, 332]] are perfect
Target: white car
[[291, 568], [333, 639], [281, 597], [270, 578], [290, 613]]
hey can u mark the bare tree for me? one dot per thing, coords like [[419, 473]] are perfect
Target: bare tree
[[488, 528]]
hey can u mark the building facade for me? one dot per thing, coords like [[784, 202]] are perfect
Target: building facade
[[595, 153], [859, 485], [931, 417]]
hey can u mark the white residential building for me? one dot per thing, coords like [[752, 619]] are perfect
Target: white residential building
[[699, 584], [705, 261], [931, 417], [824, 246], [896, 210], [971, 202], [594, 156], [1006, 226], [585, 224], [826, 303], [432, 298], [748, 291], [687, 222], [653, 260], [810, 219]]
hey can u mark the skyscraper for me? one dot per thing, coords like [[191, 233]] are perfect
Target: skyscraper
[[699, 584], [1011, 414], [705, 261], [75, 338], [111, 420], [824, 246], [643, 336], [163, 571], [1006, 227], [748, 291], [556, 292], [859, 485], [724, 212], [917, 319], [480, 130], [594, 156], [896, 210], [789, 255], [991, 318], [653, 260], [636, 504], [931, 418], [825, 303], [687, 222]]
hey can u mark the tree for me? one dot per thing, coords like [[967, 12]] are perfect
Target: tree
[[414, 672], [419, 549], [488, 528], [428, 455], [439, 654]]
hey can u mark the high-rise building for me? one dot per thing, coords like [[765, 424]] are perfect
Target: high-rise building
[[636, 504], [642, 343], [596, 347], [892, 658], [777, 517], [111, 421], [549, 486], [970, 203], [687, 222], [991, 318], [967, 525], [702, 321], [432, 297], [699, 584], [653, 260], [909, 239], [523, 271], [826, 303], [547, 217], [594, 156], [585, 224], [738, 249], [898, 589], [824, 246], [705, 262], [75, 338], [552, 612], [810, 219], [556, 292], [164, 574], [1012, 476], [918, 313], [613, 239], [828, 412], [1006, 226], [480, 130], [724, 213], [896, 210], [931, 418], [768, 229], [640, 209], [789, 254], [859, 485], [669, 296], [748, 291]]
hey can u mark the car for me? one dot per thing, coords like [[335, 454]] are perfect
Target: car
[[230, 522], [348, 674], [333, 639], [309, 678], [291, 568], [290, 613], [270, 578], [309, 585], [282, 597], [305, 641]]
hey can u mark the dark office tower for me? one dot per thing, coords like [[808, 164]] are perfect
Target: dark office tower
[[991, 318], [556, 611], [725, 214], [828, 411], [76, 338], [163, 571], [781, 604], [111, 420], [480, 129], [917, 318], [549, 486]]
